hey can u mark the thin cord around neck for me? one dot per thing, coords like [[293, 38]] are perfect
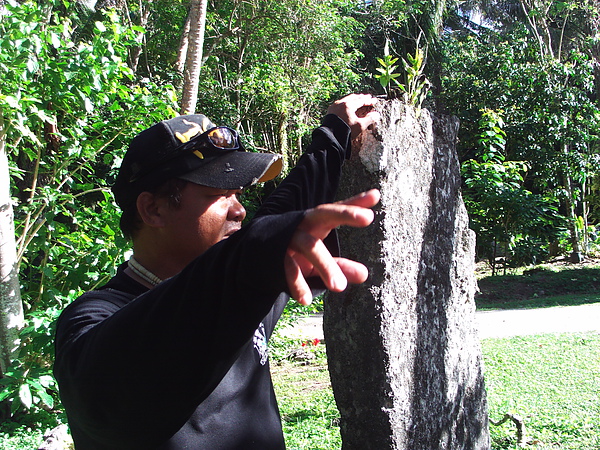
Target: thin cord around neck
[[142, 272]]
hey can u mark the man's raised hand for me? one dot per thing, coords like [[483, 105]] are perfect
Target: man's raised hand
[[357, 110]]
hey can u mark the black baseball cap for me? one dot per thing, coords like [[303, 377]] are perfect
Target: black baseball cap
[[190, 147]]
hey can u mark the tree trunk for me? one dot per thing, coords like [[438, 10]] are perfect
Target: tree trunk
[[537, 18], [282, 141], [11, 307], [183, 46], [193, 60], [136, 52], [403, 351], [594, 24], [571, 208], [576, 256]]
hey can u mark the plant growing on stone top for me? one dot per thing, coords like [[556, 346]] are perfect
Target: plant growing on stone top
[[387, 71], [417, 85]]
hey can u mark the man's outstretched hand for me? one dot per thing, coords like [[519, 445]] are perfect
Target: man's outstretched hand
[[308, 256]]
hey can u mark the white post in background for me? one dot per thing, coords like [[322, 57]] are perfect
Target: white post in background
[[11, 307]]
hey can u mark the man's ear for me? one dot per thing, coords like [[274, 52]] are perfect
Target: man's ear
[[150, 209]]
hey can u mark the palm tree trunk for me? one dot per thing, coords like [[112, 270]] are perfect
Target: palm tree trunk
[[183, 46], [136, 52], [193, 61], [282, 141]]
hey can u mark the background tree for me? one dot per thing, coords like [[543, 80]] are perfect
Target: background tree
[[551, 117], [193, 60], [11, 307], [272, 66]]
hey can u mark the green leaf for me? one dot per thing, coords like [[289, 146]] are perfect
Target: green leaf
[[44, 116], [11, 101], [55, 40], [4, 394], [46, 398], [88, 105], [25, 396]]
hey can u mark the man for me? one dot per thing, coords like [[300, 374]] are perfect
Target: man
[[172, 352]]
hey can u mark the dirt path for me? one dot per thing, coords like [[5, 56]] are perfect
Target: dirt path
[[503, 323], [521, 322]]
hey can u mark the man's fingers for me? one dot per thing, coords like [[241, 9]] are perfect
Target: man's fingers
[[324, 265], [350, 272], [352, 102], [366, 199], [357, 110], [308, 256], [355, 272], [297, 285], [354, 211], [321, 220]]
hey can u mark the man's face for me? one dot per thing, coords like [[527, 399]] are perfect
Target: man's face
[[205, 216]]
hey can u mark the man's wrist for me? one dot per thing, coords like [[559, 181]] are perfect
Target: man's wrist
[[340, 130]]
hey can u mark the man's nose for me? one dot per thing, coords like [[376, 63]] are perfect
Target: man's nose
[[237, 211]]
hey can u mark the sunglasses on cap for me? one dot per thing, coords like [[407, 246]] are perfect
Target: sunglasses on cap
[[211, 143]]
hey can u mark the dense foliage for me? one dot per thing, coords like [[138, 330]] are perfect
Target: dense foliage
[[68, 106], [76, 84]]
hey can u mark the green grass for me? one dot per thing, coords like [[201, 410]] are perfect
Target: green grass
[[19, 438], [551, 381], [26, 431], [308, 411]]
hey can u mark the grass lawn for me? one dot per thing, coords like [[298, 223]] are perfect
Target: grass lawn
[[557, 284], [551, 381], [309, 414], [26, 432]]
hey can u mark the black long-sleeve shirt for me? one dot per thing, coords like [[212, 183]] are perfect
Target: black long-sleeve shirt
[[184, 365]]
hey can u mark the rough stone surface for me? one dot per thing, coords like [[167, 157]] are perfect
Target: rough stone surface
[[403, 350], [57, 439]]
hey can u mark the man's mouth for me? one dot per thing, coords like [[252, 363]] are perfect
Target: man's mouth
[[230, 232]]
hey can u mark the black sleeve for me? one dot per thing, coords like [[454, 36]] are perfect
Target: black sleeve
[[135, 374], [315, 179]]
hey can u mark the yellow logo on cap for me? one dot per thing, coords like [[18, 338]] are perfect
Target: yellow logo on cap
[[195, 130]]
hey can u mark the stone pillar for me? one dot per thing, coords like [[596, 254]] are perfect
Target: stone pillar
[[403, 350]]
